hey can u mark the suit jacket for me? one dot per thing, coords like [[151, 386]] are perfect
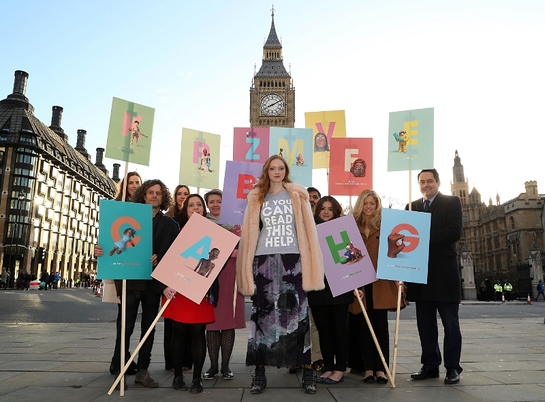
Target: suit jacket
[[443, 274]]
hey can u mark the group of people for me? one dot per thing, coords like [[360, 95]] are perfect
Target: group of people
[[497, 292], [279, 264], [189, 328]]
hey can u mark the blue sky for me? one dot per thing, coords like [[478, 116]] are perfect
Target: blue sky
[[478, 63]]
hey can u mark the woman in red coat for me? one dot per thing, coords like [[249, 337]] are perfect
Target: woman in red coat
[[189, 318]]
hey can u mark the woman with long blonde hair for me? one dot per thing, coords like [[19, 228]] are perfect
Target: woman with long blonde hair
[[379, 296]]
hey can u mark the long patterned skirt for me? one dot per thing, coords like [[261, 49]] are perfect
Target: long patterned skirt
[[279, 324]]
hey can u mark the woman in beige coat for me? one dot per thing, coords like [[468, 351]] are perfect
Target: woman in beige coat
[[279, 260]]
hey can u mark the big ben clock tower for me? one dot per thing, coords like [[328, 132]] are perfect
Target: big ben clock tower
[[272, 95]]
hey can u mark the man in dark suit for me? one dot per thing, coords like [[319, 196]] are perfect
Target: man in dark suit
[[442, 292]]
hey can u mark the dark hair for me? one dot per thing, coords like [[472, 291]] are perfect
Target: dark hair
[[119, 192], [139, 195], [432, 171], [174, 210], [183, 212], [326, 146], [309, 189], [215, 191], [337, 208]]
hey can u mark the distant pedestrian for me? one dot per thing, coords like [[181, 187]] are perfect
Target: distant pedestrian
[[540, 290], [44, 278], [508, 289], [489, 289], [498, 289]]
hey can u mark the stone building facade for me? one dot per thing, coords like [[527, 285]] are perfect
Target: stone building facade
[[500, 240], [50, 192]]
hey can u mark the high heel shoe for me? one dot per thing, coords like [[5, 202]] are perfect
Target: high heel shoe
[[209, 375]]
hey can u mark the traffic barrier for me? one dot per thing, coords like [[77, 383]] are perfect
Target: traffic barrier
[[529, 301], [502, 298]]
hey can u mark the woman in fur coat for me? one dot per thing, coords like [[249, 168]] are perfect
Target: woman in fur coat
[[279, 260]]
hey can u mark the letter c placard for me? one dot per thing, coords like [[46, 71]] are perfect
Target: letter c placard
[[128, 221]]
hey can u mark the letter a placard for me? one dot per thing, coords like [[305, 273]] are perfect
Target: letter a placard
[[196, 257]]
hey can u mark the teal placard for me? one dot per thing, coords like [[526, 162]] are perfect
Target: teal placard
[[125, 235], [295, 146], [410, 140], [130, 132]]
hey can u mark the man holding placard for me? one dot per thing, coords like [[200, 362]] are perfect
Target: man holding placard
[[442, 292]]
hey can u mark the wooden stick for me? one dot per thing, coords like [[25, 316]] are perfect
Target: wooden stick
[[137, 349], [376, 340], [396, 335], [123, 328]]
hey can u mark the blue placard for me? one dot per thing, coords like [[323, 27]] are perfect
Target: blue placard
[[411, 263], [126, 237]]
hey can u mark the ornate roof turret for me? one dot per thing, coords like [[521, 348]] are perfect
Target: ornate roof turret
[[272, 66]]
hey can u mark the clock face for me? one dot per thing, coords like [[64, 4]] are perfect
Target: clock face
[[272, 105]]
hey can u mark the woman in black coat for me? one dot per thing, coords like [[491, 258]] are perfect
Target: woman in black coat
[[330, 313]]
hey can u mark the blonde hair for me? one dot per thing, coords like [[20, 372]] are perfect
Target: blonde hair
[[264, 183], [372, 222]]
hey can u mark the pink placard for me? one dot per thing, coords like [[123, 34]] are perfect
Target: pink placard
[[196, 258]]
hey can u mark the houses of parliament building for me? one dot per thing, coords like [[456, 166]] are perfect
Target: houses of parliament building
[[500, 240]]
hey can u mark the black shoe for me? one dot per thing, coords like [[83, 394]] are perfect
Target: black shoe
[[453, 376], [227, 375], [209, 375], [130, 371], [425, 373], [196, 387], [309, 381], [382, 380], [178, 383], [259, 381], [370, 379]]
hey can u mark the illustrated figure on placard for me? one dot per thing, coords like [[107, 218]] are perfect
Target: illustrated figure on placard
[[395, 244], [205, 161], [205, 266], [352, 254], [320, 143], [281, 152], [358, 168], [300, 160], [402, 139], [119, 246], [136, 133]]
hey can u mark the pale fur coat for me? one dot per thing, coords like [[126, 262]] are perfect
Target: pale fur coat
[[312, 263]]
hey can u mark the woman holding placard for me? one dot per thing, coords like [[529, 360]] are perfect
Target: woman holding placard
[[279, 260], [189, 318], [330, 313], [378, 297], [229, 311], [128, 185], [179, 195]]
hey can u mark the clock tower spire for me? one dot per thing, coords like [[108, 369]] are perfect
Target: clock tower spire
[[272, 95]]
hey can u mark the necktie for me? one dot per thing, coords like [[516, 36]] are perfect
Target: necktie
[[426, 205]]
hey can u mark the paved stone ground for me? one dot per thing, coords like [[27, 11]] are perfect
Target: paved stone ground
[[503, 360]]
